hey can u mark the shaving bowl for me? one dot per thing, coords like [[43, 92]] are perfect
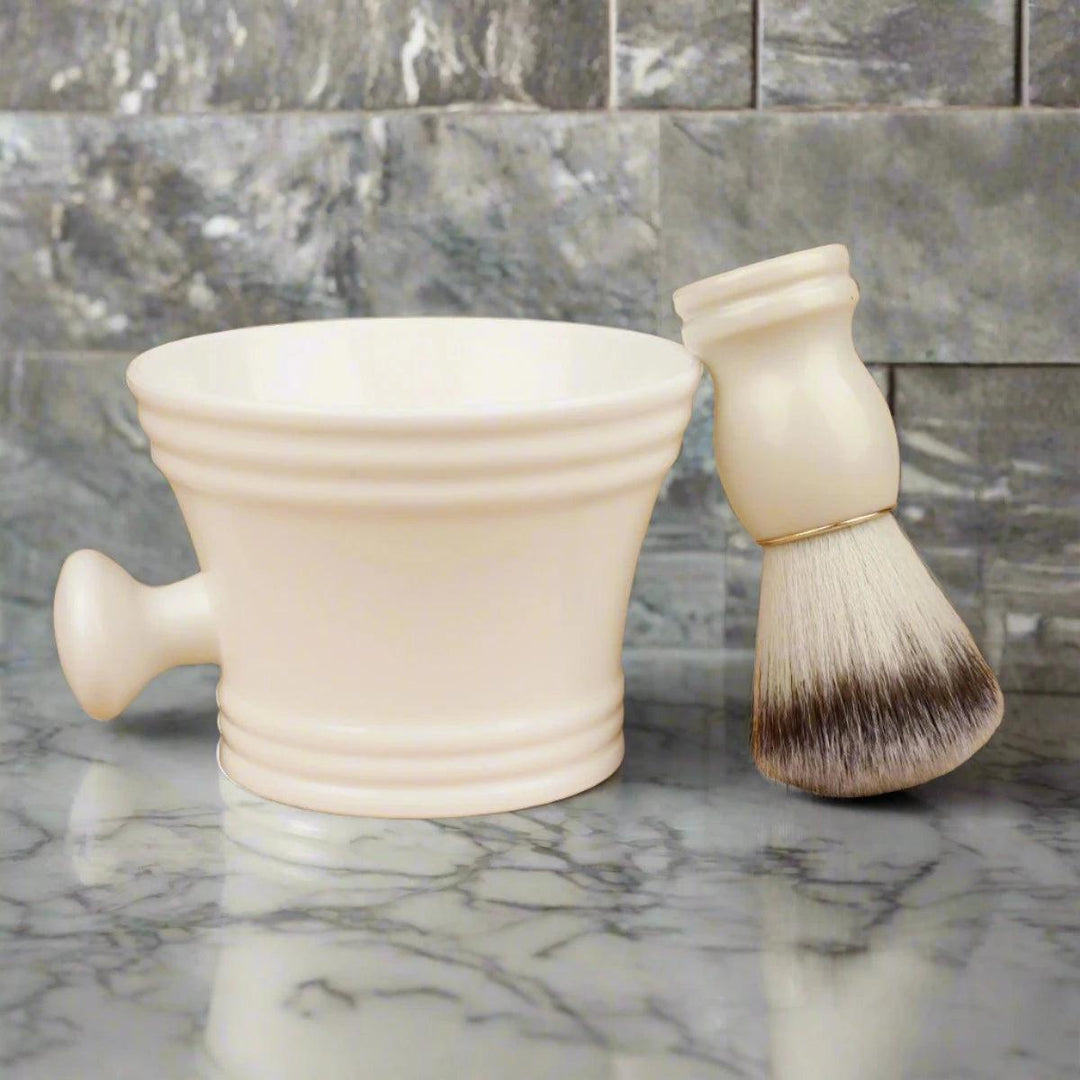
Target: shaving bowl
[[416, 541]]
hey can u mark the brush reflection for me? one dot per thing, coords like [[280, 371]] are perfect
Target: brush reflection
[[861, 935]]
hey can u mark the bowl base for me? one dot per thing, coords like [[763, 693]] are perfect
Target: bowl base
[[486, 782]]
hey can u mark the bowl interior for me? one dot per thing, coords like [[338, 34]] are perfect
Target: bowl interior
[[378, 367]]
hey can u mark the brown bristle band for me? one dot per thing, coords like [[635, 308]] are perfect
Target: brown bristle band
[[856, 736]]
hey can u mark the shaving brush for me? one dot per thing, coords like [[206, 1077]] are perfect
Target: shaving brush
[[866, 680]]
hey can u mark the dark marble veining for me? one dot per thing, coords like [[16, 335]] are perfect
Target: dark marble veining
[[686, 919], [1054, 52], [694, 54], [876, 52], [198, 55]]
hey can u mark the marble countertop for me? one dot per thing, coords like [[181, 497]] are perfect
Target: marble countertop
[[684, 919]]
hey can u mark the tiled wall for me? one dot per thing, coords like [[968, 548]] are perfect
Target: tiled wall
[[186, 165]]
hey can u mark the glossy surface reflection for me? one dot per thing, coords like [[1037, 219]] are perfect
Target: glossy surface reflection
[[683, 920]]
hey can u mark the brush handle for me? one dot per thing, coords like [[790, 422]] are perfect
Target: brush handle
[[802, 434], [114, 634]]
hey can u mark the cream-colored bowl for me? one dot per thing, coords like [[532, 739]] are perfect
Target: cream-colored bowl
[[417, 540]]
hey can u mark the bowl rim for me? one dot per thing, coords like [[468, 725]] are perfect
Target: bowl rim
[[200, 405]]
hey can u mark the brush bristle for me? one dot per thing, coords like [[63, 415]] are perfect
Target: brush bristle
[[867, 681]]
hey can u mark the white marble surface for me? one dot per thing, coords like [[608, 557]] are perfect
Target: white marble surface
[[685, 919]]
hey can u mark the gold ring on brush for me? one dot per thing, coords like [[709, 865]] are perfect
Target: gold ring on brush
[[822, 529]]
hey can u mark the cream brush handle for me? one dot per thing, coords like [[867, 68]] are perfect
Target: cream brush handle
[[802, 434]]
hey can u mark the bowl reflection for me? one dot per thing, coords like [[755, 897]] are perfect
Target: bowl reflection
[[327, 966]]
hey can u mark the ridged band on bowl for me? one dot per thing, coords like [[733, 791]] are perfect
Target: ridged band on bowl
[[560, 459], [420, 768]]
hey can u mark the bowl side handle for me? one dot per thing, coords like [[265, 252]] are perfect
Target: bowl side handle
[[114, 634]]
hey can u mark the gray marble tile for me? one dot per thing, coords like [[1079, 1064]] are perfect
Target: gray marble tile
[[690, 676], [178, 56], [871, 52], [678, 600], [691, 513], [684, 53], [124, 234], [77, 473], [554, 217], [962, 225], [120, 235], [1054, 52], [990, 496]]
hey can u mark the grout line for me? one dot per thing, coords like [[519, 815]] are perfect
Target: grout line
[[756, 51], [661, 305], [67, 355], [613, 71], [1023, 55], [860, 110], [519, 112]]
